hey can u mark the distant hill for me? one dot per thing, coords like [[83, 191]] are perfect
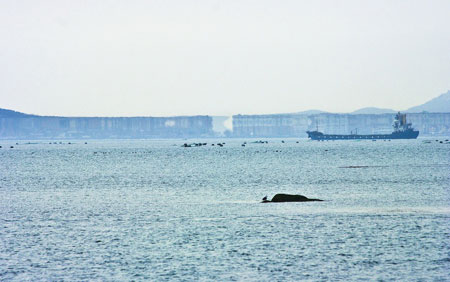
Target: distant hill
[[310, 112], [440, 104], [4, 113], [372, 111]]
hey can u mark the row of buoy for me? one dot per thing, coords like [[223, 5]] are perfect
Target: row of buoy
[[260, 142], [446, 141], [50, 143], [61, 143], [187, 145], [263, 142]]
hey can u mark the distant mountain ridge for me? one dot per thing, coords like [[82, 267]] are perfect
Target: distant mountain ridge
[[311, 112], [372, 111], [4, 113], [440, 104]]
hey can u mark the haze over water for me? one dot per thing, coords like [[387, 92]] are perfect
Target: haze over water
[[152, 210]]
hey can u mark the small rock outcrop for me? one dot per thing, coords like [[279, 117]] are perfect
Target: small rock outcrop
[[280, 198]]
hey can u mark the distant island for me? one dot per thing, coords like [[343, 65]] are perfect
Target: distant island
[[440, 104], [373, 111], [431, 118]]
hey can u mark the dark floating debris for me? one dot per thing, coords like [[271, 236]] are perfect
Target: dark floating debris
[[281, 198], [362, 166], [259, 142], [12, 147], [446, 141], [186, 145]]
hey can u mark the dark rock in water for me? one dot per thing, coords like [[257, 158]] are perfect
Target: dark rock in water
[[280, 198]]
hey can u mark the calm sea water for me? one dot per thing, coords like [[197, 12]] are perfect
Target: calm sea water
[[152, 210]]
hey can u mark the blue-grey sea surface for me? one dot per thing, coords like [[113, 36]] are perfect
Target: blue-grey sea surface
[[153, 210]]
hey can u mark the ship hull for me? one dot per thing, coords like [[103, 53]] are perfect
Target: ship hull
[[410, 134]]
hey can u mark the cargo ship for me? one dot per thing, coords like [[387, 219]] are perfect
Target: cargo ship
[[402, 130]]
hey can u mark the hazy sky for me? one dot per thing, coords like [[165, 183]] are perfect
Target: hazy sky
[[159, 58]]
